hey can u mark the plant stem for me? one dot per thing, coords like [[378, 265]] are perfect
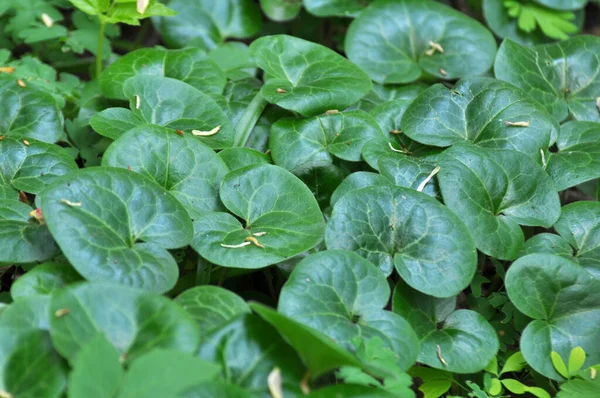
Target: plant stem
[[100, 48], [248, 120]]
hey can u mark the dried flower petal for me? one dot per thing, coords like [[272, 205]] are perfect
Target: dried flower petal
[[236, 246], [62, 312], [281, 91], [47, 20], [21, 83], [72, 204], [274, 382], [206, 133], [142, 6], [255, 241], [7, 69], [518, 124], [429, 177]]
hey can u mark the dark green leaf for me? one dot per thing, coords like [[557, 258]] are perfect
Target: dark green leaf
[[408, 172], [356, 181], [237, 158], [335, 8], [43, 280], [114, 122]]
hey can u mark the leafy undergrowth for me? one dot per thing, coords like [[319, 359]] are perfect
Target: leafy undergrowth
[[409, 208]]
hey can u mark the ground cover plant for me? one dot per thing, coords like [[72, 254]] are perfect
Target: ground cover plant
[[286, 198]]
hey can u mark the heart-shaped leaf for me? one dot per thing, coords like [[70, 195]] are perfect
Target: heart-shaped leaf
[[343, 295], [233, 58], [356, 181], [171, 103], [564, 77], [579, 225], [494, 191], [114, 122], [22, 238], [550, 244], [465, 343], [278, 211], [26, 313], [190, 65], [115, 225], [43, 280], [399, 41], [248, 349], [578, 156], [237, 158], [186, 167], [314, 141], [486, 111], [30, 167], [429, 246], [335, 8], [306, 77], [28, 113], [133, 321], [563, 300], [409, 172]]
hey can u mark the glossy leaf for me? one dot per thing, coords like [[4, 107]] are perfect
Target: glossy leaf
[[43, 280], [114, 122], [183, 165], [306, 77], [391, 39], [237, 158], [505, 26], [563, 4], [495, 191], [356, 181], [115, 225], [268, 199], [562, 299], [408, 172], [335, 8], [281, 10], [428, 245], [343, 295]]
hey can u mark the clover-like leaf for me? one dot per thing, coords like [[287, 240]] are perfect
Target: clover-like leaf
[[494, 191], [32, 166], [486, 111], [400, 41], [578, 156], [43, 280], [186, 167], [115, 225], [281, 219], [28, 113], [343, 295], [563, 300], [314, 141], [23, 239], [132, 320], [248, 349], [335, 8], [564, 77], [190, 65], [391, 226], [464, 344], [306, 77]]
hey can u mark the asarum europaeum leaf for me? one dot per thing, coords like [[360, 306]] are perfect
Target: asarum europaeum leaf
[[400, 41], [306, 77], [391, 226], [563, 77], [115, 225], [280, 219], [562, 298], [485, 111], [494, 191], [342, 295]]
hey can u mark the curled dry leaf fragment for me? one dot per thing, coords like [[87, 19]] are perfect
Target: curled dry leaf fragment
[[443, 72], [304, 384], [7, 69], [440, 357], [206, 133], [138, 101], [2, 137], [62, 312], [543, 157], [396, 132], [332, 112], [179, 132], [123, 357], [38, 215], [429, 177], [72, 204], [433, 47], [281, 91], [397, 150], [275, 384], [23, 197], [47, 20], [236, 246], [518, 124], [593, 373], [21, 83], [26, 142], [4, 394], [598, 103], [142, 6], [258, 234], [254, 241]]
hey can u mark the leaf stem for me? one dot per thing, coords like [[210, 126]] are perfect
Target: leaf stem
[[248, 120], [100, 48]]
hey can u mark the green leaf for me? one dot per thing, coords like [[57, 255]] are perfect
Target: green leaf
[[563, 4], [315, 141], [335, 8], [127, 13], [28, 113], [559, 364], [97, 371], [579, 224], [390, 40], [43, 280], [541, 72], [351, 390], [408, 172], [268, 199], [27, 313], [548, 243], [576, 360], [478, 110], [281, 10], [23, 239], [115, 225], [237, 158], [496, 387], [499, 20], [31, 167], [208, 23], [190, 170], [211, 306], [306, 77], [217, 388], [234, 59], [515, 363], [578, 158], [464, 344], [514, 386], [580, 388], [133, 321], [562, 299], [492, 367], [392, 226], [114, 122], [248, 349], [190, 65], [29, 366], [343, 295], [495, 191], [356, 181], [92, 7]]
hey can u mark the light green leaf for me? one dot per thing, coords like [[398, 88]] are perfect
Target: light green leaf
[[306, 77], [115, 225], [580, 388], [576, 360], [27, 313], [429, 246], [356, 181], [559, 364], [237, 158], [335, 8], [515, 363], [234, 59], [514, 386], [43, 280], [391, 41], [281, 10]]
